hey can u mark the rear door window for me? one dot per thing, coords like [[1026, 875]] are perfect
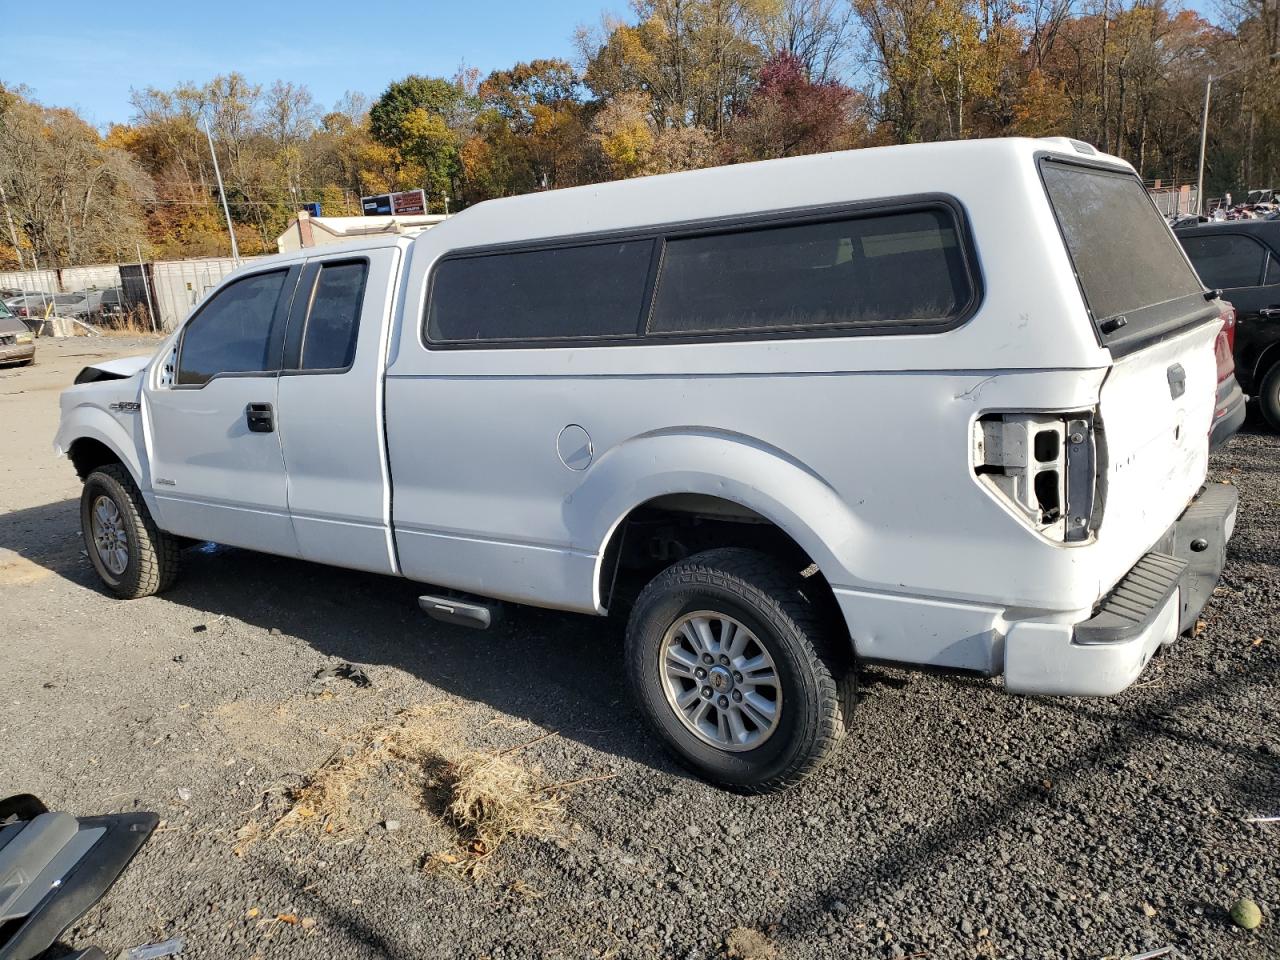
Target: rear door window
[[1227, 261], [1135, 278], [329, 342], [1273, 271]]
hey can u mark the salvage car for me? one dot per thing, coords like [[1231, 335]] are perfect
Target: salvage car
[[942, 405], [1242, 259], [17, 342]]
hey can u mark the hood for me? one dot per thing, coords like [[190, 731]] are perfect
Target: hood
[[120, 368]]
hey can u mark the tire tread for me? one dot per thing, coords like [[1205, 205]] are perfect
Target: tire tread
[[759, 579], [1269, 396], [158, 552]]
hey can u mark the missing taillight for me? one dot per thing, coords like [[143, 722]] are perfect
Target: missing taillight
[[1042, 464], [1048, 445], [1048, 496]]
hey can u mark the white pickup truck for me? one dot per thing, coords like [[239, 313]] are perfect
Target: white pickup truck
[[946, 405]]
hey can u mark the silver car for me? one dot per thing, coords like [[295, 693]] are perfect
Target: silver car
[[17, 342]]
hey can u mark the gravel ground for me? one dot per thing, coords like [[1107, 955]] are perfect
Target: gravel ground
[[955, 821]]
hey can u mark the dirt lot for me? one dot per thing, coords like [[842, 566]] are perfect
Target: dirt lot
[[955, 821]]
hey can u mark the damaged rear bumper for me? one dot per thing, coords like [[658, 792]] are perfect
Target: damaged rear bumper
[[1151, 605]]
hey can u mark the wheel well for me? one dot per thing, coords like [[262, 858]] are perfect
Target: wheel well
[[1266, 360], [88, 454], [665, 530]]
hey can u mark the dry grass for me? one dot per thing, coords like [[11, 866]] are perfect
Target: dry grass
[[135, 323], [493, 798], [743, 943], [483, 797]]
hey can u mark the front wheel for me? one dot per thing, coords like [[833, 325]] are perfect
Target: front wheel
[[133, 556], [1269, 397], [737, 671]]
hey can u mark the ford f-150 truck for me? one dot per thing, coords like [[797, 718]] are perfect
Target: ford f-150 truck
[[945, 405]]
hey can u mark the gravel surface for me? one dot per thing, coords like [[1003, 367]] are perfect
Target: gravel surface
[[955, 821]]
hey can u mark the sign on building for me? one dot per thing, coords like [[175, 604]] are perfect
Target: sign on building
[[406, 203]]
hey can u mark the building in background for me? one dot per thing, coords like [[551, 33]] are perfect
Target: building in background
[[308, 231]]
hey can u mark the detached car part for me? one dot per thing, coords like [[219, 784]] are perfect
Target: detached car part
[[54, 867]]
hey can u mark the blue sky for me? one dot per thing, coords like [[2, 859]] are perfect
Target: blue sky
[[88, 55], [85, 55]]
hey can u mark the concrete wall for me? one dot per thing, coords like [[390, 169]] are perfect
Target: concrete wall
[[37, 281], [65, 280]]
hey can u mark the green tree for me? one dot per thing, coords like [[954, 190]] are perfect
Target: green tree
[[425, 120]]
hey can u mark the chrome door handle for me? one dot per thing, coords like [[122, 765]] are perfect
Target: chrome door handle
[[1269, 312]]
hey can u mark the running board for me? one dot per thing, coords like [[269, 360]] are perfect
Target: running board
[[463, 613]]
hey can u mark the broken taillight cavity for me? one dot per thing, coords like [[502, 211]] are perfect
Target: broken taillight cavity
[[1042, 465]]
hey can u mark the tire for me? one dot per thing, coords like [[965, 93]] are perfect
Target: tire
[[1269, 396], [812, 694], [149, 563]]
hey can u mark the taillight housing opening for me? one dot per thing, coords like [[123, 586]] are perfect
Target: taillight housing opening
[[1044, 465]]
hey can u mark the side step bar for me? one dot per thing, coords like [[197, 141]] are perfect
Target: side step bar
[[463, 613]]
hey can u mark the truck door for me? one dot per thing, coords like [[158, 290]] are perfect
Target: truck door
[[216, 463], [330, 405]]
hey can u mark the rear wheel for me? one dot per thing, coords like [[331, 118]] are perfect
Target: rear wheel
[[133, 556], [1269, 396], [737, 671]]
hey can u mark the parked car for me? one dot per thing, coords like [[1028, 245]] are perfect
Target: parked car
[[108, 305], [37, 305], [28, 304], [946, 405], [1242, 259], [17, 342]]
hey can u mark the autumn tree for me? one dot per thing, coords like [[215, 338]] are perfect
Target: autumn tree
[[68, 196], [693, 60], [819, 34], [790, 114]]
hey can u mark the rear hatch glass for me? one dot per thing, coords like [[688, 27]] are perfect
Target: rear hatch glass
[[1135, 278]]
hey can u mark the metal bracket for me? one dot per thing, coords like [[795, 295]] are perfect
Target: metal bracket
[[1081, 479]]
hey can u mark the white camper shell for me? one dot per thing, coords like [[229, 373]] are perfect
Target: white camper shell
[[946, 405]]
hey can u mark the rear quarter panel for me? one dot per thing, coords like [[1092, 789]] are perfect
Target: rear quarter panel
[[858, 447]]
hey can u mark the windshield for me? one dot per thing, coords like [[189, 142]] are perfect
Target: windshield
[[1125, 257], [11, 324]]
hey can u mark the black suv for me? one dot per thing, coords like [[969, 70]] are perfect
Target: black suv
[[1242, 258]]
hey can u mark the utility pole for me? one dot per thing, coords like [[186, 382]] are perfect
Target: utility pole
[[226, 211], [1204, 139]]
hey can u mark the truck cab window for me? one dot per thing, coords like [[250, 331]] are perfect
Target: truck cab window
[[232, 332], [333, 321]]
